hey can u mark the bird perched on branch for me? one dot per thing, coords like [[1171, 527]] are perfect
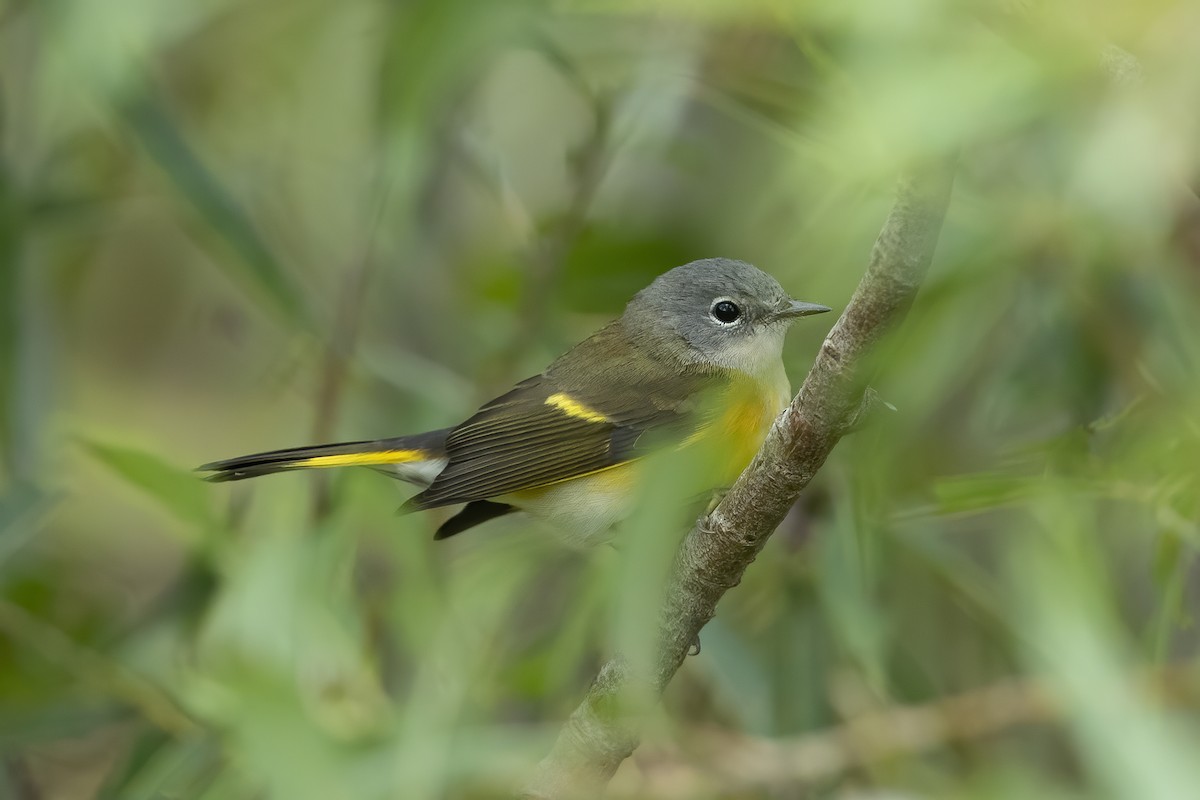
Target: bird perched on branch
[[692, 368]]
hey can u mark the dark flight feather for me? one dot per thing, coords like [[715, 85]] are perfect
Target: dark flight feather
[[473, 513]]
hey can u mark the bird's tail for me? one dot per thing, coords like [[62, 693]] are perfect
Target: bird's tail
[[416, 458]]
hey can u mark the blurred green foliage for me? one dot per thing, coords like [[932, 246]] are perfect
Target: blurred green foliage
[[234, 226]]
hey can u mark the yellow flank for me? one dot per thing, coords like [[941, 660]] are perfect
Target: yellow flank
[[374, 458], [573, 408], [735, 435], [746, 424], [618, 478]]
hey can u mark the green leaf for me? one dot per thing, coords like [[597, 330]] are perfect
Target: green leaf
[[983, 491], [67, 716], [1171, 569], [20, 510], [179, 491], [154, 126], [161, 767]]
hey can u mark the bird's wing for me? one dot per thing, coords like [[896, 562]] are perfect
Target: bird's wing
[[548, 430]]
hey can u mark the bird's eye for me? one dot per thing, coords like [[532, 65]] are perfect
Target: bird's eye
[[725, 311]]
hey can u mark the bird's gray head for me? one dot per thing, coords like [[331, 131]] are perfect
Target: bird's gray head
[[717, 311]]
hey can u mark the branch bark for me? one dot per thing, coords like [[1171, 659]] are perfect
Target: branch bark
[[604, 730]]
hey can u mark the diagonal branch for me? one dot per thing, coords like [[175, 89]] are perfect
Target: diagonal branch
[[603, 731]]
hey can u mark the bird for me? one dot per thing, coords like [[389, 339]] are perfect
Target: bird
[[694, 366]]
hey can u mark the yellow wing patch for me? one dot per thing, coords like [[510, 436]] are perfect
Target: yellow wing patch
[[573, 408], [375, 458]]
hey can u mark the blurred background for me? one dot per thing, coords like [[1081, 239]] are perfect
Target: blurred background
[[238, 225]]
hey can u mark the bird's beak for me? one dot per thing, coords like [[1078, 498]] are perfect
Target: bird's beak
[[798, 308]]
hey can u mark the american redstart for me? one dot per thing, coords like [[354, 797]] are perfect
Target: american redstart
[[695, 362]]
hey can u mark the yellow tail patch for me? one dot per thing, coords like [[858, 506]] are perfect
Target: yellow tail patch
[[376, 458]]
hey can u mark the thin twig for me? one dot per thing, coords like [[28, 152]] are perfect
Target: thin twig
[[604, 729], [736, 764], [342, 342]]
